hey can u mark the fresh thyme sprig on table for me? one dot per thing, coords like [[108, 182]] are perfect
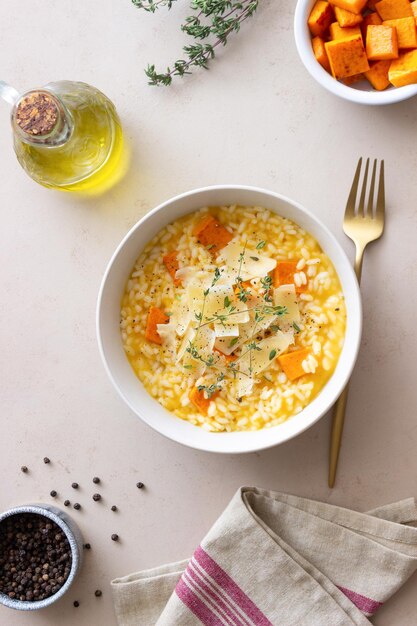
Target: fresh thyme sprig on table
[[213, 22]]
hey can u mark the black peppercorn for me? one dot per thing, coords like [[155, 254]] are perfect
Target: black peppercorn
[[115, 537], [53, 493], [77, 506], [67, 502], [35, 557], [46, 460], [96, 497], [87, 546], [74, 485], [114, 507], [96, 480], [140, 485], [24, 469], [98, 593], [76, 604]]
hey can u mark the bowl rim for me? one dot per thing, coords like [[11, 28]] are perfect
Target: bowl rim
[[303, 44], [40, 509], [354, 345]]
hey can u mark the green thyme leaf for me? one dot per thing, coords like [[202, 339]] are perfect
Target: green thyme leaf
[[296, 327], [261, 245], [254, 258], [272, 354]]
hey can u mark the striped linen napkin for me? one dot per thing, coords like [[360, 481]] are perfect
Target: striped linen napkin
[[273, 559]]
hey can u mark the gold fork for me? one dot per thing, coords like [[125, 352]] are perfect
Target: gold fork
[[363, 223]]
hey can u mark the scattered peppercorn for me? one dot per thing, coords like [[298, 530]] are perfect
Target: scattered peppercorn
[[24, 469], [98, 593], [76, 604], [87, 546], [53, 493], [46, 460], [140, 485], [74, 485], [67, 502], [114, 507], [96, 480], [115, 537], [35, 557], [77, 506], [96, 497]]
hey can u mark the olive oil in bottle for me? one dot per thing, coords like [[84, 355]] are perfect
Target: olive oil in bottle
[[67, 136]]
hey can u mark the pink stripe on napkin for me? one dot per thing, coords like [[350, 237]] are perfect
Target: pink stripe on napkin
[[364, 604], [196, 605], [232, 589]]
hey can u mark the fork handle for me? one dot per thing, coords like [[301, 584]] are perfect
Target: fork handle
[[340, 406]]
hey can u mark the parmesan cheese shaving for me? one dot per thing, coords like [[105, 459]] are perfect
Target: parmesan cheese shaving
[[245, 263], [286, 296]]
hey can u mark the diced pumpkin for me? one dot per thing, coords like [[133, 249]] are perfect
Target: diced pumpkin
[[413, 6], [320, 18], [403, 71], [198, 398], [291, 363], [378, 74], [347, 56], [284, 275], [347, 19], [381, 43], [354, 6], [171, 262], [406, 31], [351, 80], [372, 19], [393, 9], [320, 52], [155, 317], [337, 32], [211, 234]]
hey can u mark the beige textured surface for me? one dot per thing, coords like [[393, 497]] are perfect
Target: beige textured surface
[[256, 118]]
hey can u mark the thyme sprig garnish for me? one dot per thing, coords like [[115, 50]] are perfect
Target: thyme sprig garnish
[[152, 5], [210, 390], [211, 23]]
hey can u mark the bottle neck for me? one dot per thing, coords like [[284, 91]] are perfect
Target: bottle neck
[[40, 118]]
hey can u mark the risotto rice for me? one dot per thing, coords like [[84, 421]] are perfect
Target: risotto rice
[[204, 388]]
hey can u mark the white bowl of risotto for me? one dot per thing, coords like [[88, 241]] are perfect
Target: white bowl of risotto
[[229, 319]]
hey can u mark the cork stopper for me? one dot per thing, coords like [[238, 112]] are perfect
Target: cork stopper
[[37, 113]]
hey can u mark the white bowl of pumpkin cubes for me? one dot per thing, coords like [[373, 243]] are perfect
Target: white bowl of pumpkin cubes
[[362, 50]]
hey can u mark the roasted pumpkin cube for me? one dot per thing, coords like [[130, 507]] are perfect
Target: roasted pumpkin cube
[[354, 6], [347, 57], [336, 32], [406, 31], [403, 71], [378, 74], [372, 19], [381, 43], [200, 401], [351, 80], [347, 19], [320, 18], [393, 9], [320, 52], [292, 363]]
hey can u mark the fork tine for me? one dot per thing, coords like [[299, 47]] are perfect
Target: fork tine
[[380, 203], [361, 206], [370, 209], [350, 205]]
